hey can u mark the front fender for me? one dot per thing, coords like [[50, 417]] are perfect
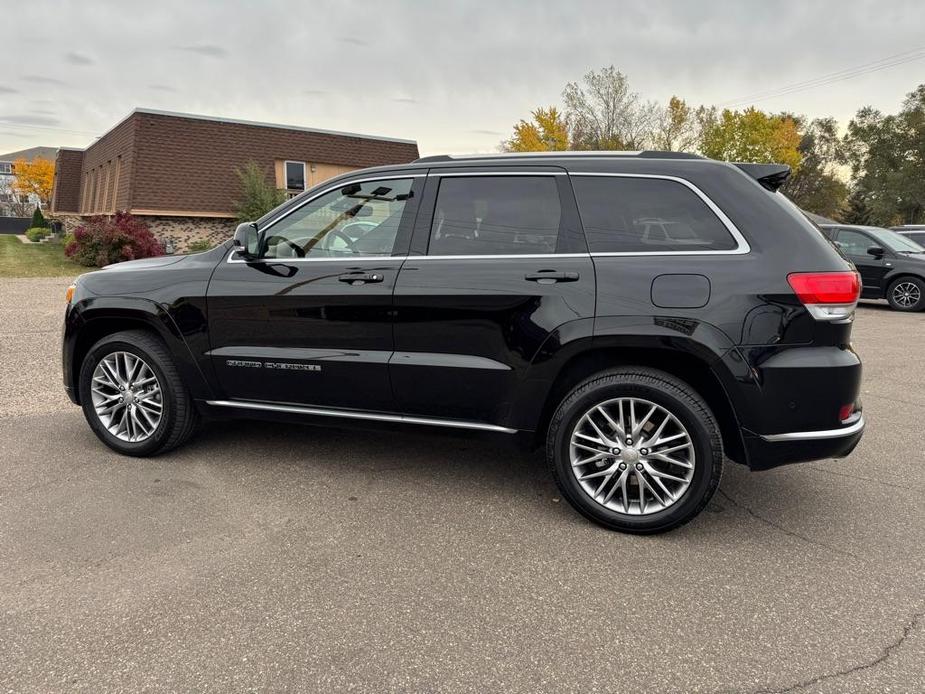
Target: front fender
[[92, 317]]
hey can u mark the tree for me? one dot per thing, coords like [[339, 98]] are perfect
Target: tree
[[753, 136], [38, 219], [887, 157], [677, 127], [603, 114], [858, 211], [547, 132], [258, 196], [817, 186], [34, 177]]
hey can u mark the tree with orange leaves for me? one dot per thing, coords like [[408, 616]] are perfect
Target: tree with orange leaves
[[34, 177]]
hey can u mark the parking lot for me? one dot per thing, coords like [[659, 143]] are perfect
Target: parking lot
[[269, 557]]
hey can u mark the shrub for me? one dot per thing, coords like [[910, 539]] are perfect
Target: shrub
[[258, 196], [36, 233], [199, 246], [38, 219], [104, 240]]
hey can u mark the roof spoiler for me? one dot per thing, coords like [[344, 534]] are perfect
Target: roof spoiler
[[770, 176]]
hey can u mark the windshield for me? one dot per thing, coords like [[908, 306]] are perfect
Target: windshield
[[893, 241]]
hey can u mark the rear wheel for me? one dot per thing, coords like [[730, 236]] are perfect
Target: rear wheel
[[132, 395], [635, 450], [907, 294]]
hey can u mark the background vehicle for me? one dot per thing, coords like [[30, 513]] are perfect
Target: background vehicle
[[916, 232], [643, 314], [892, 265]]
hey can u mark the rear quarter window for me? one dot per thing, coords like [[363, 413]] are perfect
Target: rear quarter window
[[644, 215]]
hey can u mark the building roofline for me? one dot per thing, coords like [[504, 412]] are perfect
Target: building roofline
[[258, 124]]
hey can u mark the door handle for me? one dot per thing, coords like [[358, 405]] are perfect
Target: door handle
[[551, 277], [360, 277]]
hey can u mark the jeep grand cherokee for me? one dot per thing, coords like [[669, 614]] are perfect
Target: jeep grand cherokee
[[645, 315]]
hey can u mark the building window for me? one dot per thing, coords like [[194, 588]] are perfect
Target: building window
[[295, 175], [6, 167]]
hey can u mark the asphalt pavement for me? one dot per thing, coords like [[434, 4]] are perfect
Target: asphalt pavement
[[275, 557]]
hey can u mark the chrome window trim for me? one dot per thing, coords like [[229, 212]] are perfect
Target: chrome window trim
[[323, 412], [508, 256], [447, 174], [742, 246], [813, 435]]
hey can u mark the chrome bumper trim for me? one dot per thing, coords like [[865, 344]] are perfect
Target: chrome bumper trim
[[348, 414], [811, 435]]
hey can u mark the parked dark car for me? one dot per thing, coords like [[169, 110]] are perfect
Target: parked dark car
[[892, 265], [916, 232], [642, 315]]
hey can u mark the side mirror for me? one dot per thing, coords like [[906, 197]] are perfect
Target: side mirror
[[245, 239], [875, 251]]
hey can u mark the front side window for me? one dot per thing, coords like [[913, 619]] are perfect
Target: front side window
[[295, 175], [357, 219], [854, 242], [496, 215], [644, 215]]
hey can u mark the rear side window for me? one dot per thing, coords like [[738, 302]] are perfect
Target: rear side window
[[496, 215], [644, 215]]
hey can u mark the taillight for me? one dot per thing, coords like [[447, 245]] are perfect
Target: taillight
[[828, 296]]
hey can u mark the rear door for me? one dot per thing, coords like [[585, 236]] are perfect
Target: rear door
[[497, 264], [310, 321]]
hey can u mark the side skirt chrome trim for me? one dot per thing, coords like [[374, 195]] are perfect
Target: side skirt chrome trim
[[811, 435], [397, 418]]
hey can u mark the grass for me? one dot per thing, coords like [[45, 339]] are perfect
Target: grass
[[18, 259]]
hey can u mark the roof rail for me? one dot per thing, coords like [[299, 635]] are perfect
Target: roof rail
[[645, 154]]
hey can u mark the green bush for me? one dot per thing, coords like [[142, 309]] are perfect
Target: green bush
[[199, 246], [38, 219], [258, 196], [37, 233]]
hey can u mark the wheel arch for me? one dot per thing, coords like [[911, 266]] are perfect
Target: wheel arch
[[694, 365], [94, 319]]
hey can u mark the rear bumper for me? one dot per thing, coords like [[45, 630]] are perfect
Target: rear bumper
[[773, 450]]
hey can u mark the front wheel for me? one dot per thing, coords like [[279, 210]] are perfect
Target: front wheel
[[132, 395], [635, 450], [907, 294]]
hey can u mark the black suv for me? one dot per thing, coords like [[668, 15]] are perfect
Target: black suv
[[892, 265], [643, 315]]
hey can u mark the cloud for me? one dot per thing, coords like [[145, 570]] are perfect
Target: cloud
[[78, 59], [8, 90], [352, 41], [41, 79], [43, 111], [30, 120], [405, 100], [493, 133], [7, 133], [315, 92], [161, 88], [205, 49]]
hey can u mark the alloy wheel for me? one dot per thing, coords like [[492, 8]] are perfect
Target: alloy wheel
[[907, 294], [632, 456], [127, 396]]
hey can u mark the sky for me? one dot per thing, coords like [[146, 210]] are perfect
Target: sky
[[455, 75]]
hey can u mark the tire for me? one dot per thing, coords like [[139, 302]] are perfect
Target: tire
[[906, 294], [152, 434], [670, 400]]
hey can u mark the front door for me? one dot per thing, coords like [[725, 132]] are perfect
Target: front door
[[497, 263], [854, 244], [309, 321]]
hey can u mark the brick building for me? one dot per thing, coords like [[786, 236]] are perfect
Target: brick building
[[177, 170]]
